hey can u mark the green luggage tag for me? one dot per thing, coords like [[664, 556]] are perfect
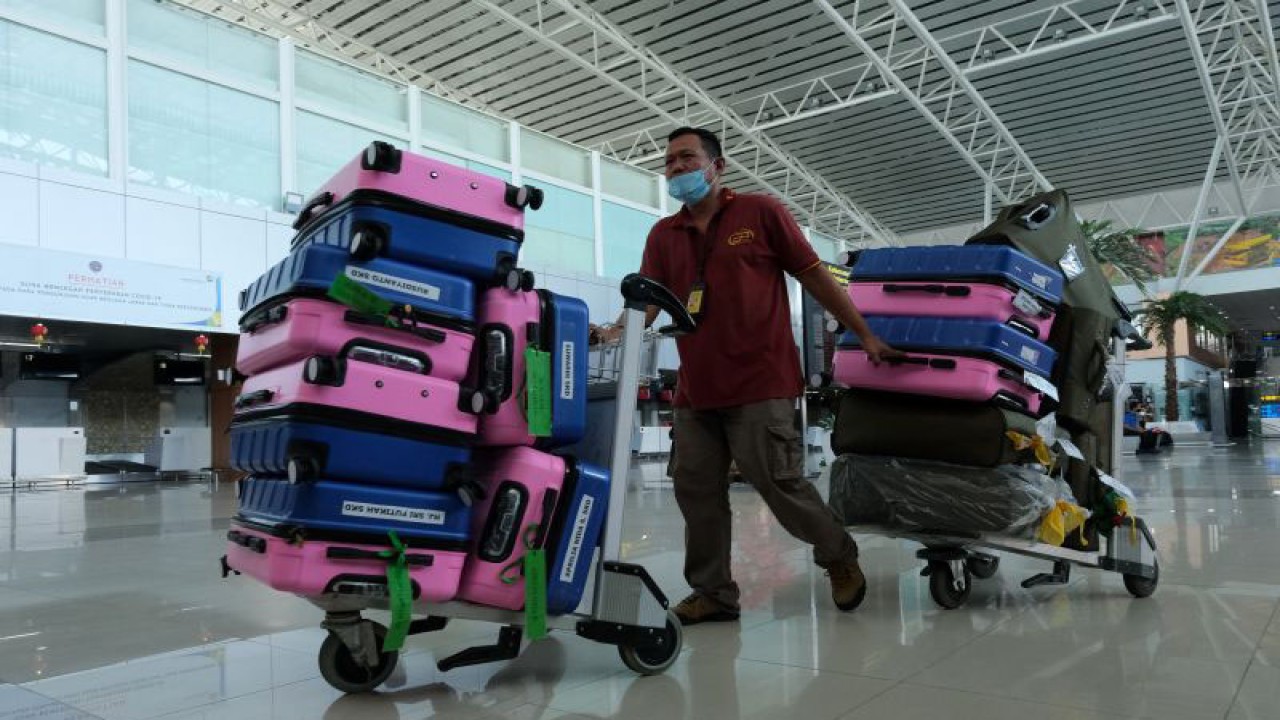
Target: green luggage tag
[[537, 364], [532, 569], [535, 593], [361, 299], [401, 594]]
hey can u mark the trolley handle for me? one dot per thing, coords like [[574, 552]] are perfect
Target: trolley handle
[[641, 292]]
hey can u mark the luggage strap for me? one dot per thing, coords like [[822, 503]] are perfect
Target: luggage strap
[[400, 592], [533, 568]]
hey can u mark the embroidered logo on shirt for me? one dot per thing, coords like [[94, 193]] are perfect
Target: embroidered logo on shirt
[[741, 237]]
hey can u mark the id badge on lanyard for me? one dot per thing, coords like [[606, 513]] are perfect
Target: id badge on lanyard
[[697, 301], [694, 303]]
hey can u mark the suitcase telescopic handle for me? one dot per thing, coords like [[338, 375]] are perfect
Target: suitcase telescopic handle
[[249, 542], [324, 199], [348, 553], [549, 499], [931, 289], [257, 321], [254, 398], [410, 325], [935, 363]]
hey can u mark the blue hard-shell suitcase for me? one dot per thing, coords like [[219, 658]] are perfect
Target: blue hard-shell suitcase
[[303, 447], [335, 509], [447, 300], [574, 534], [960, 262], [982, 338], [564, 334], [381, 225]]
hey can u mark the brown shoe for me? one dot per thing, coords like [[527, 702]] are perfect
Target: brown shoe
[[848, 585], [699, 609]]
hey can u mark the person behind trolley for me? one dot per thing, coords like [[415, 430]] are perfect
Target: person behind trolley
[[740, 373]]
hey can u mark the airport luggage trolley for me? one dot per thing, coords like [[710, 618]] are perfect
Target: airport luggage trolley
[[627, 609], [954, 560]]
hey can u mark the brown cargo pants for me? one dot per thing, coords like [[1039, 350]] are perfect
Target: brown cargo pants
[[762, 438]]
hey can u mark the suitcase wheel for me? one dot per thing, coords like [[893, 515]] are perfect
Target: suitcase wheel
[[381, 157], [525, 196], [483, 403], [320, 370], [366, 243], [302, 469], [507, 274]]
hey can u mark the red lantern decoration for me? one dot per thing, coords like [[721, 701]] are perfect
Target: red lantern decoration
[[38, 333], [202, 342]]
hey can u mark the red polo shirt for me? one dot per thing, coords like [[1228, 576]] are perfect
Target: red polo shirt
[[743, 350]]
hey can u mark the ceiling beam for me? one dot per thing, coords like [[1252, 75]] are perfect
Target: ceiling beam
[[950, 103], [1012, 40], [612, 55]]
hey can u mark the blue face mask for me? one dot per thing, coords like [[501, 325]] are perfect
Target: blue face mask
[[689, 188]]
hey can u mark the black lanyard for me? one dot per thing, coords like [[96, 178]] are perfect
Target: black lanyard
[[709, 242]]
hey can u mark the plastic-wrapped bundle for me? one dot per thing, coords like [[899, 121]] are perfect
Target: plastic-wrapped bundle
[[922, 495]]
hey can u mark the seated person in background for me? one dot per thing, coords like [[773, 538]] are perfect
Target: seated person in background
[[1151, 440]]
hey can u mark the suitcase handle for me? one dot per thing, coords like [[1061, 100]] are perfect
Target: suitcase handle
[[429, 334], [304, 215], [258, 320], [346, 553], [948, 290], [1012, 401], [934, 363], [249, 542], [254, 398], [549, 499]]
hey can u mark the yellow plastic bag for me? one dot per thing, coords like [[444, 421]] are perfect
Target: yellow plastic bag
[[1035, 442], [1060, 521]]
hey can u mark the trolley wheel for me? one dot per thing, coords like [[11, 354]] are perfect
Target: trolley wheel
[[341, 670], [983, 567], [366, 244], [1141, 587], [942, 585], [655, 659]]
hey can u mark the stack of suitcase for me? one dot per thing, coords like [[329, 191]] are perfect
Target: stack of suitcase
[[974, 323], [412, 410]]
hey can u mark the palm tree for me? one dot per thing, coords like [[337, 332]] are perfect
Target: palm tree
[[1162, 316], [1120, 249]]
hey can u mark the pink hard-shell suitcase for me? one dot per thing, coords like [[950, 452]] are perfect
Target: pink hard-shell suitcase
[[504, 320], [384, 168], [316, 567], [509, 323], [949, 376], [955, 300], [522, 487], [371, 383], [287, 332]]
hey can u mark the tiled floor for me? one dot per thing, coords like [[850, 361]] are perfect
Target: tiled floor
[[111, 606]]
